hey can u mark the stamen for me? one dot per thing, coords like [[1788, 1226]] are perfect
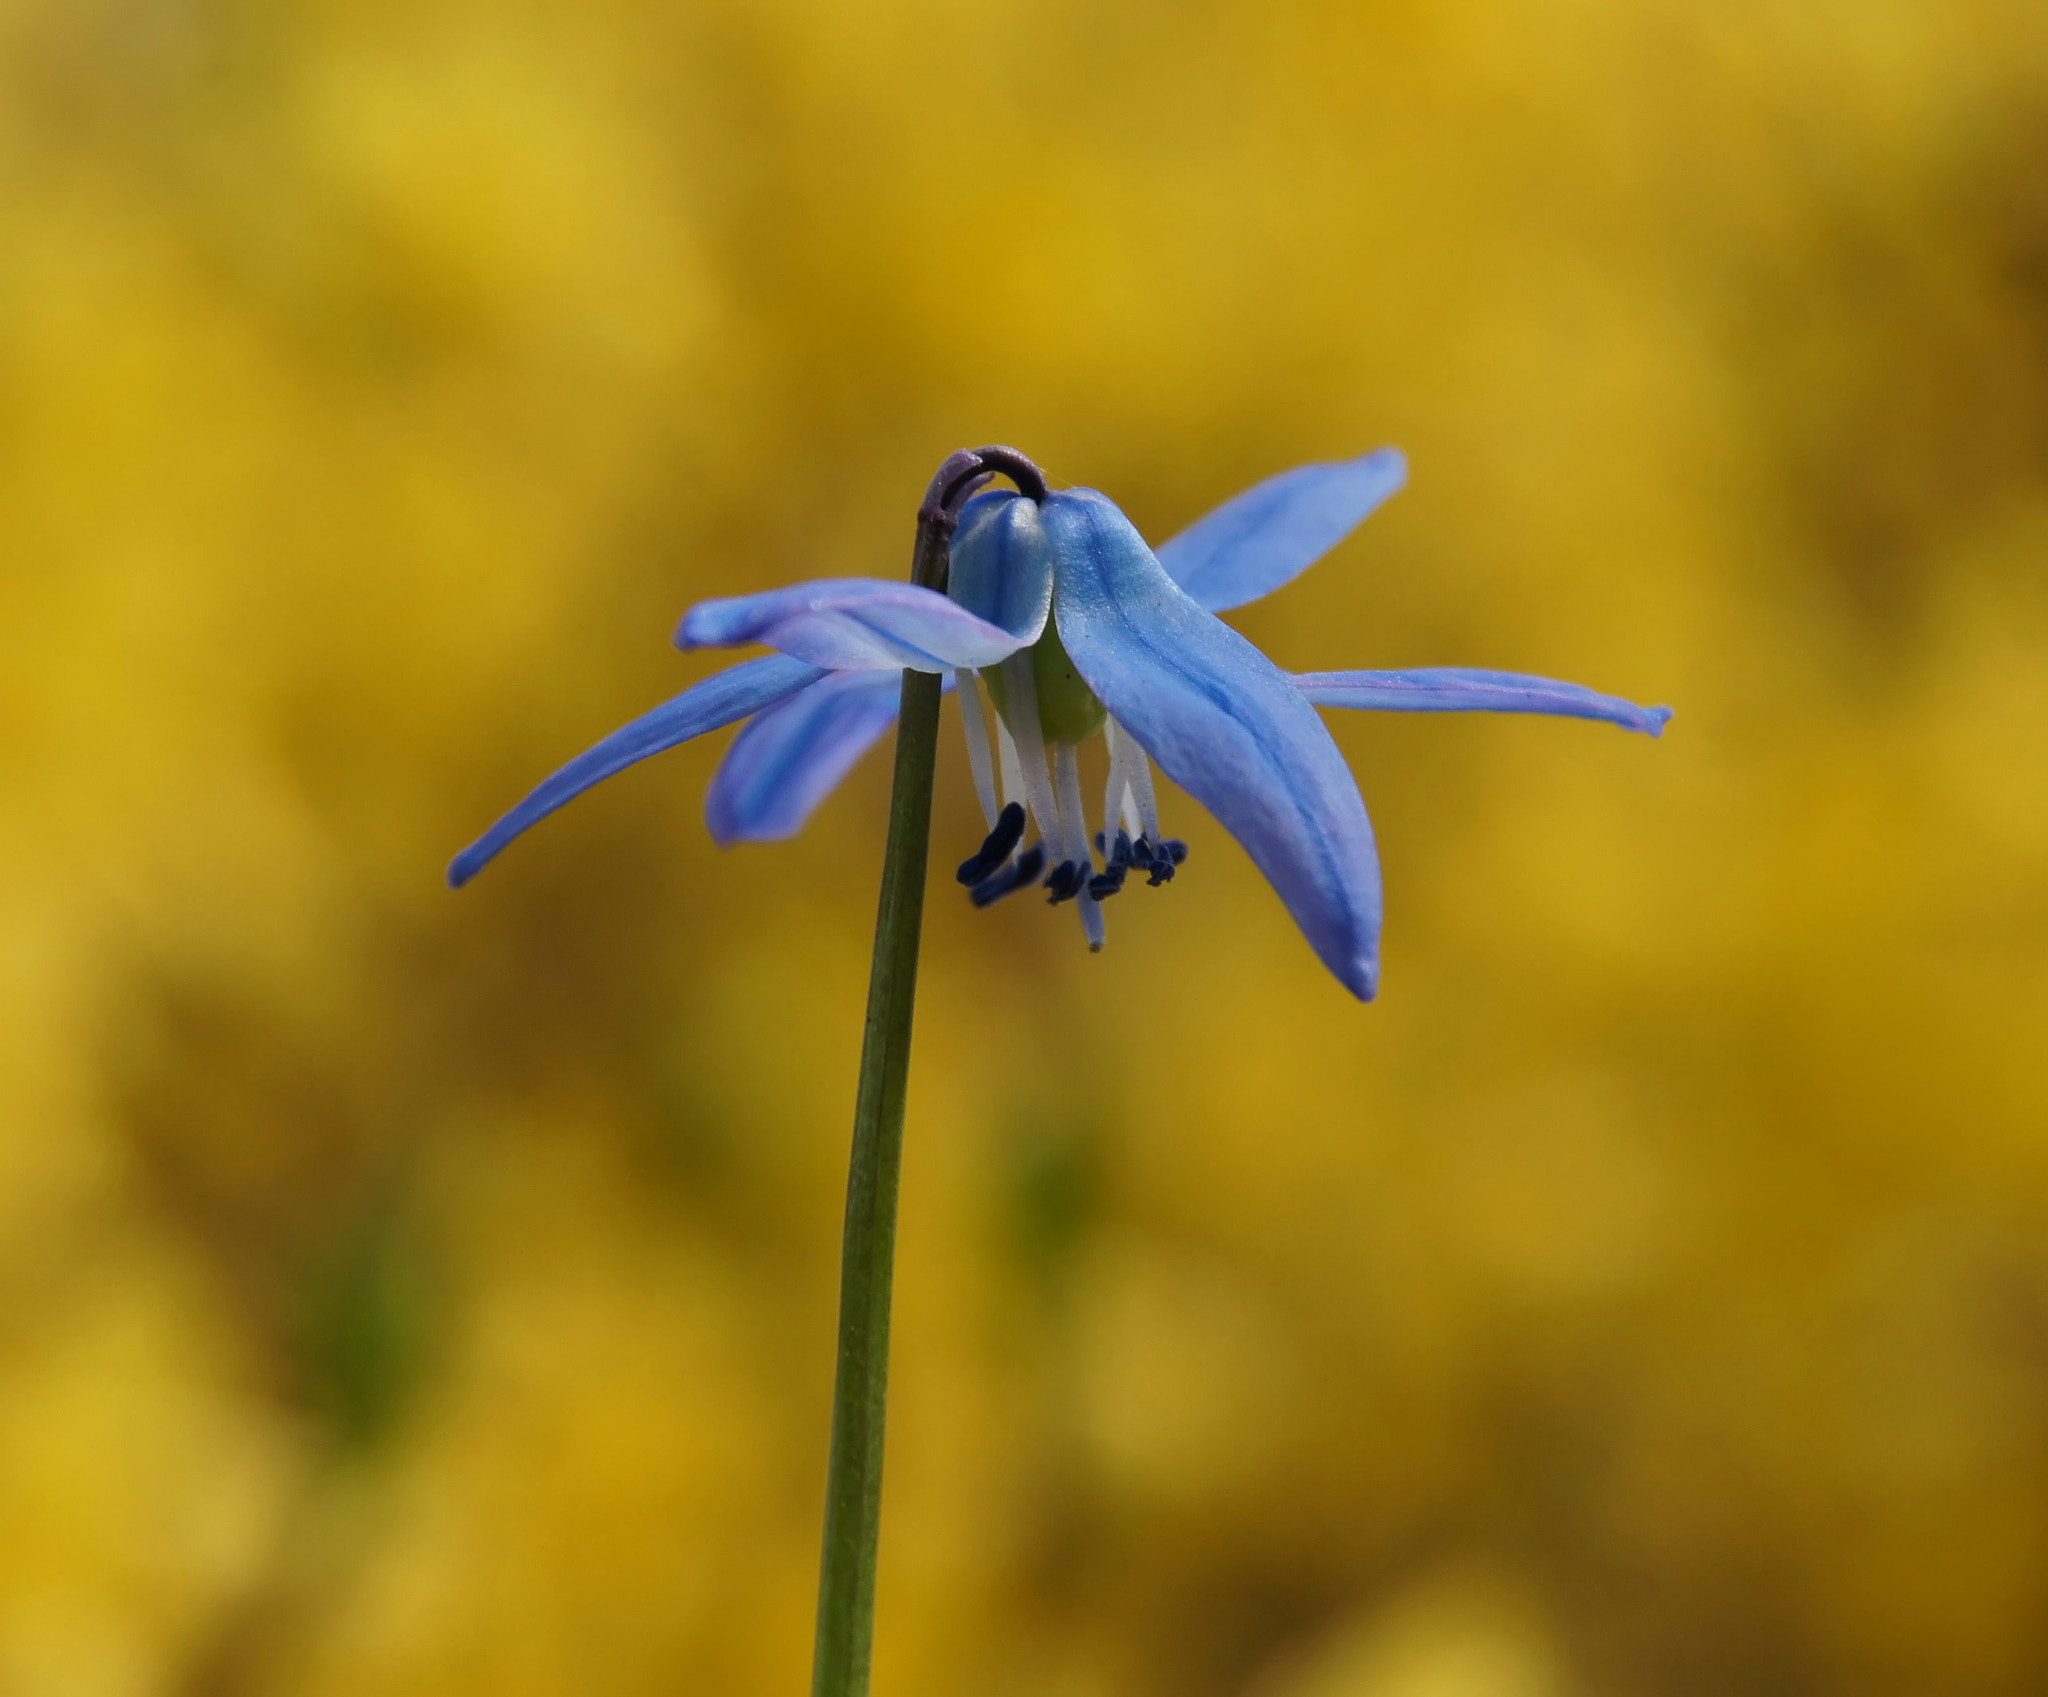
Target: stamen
[[1020, 690], [1012, 767], [1066, 881], [1000, 844], [1138, 774], [1118, 802], [1161, 862], [1019, 874], [1067, 765], [1110, 880], [973, 718], [1130, 789]]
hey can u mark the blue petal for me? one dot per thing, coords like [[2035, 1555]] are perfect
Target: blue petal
[[1225, 723], [1461, 689], [790, 758], [851, 624], [1001, 567], [718, 700], [1276, 530]]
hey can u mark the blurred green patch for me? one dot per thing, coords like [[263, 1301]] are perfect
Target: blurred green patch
[[368, 1327]]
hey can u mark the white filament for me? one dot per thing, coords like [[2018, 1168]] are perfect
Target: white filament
[[1118, 805], [1135, 767], [1012, 767], [978, 757], [1118, 787], [1074, 844], [1020, 690]]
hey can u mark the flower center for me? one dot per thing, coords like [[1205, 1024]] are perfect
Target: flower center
[[1041, 774], [1067, 708]]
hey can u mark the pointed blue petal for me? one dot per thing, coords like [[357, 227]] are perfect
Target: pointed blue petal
[[1225, 723], [1001, 567], [790, 758], [1462, 689], [851, 624], [718, 700], [1276, 530]]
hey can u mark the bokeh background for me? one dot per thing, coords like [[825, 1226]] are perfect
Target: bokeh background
[[409, 1294]]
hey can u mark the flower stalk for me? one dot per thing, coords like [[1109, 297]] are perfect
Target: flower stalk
[[853, 1489]]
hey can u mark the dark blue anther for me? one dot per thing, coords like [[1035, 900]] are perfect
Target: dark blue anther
[[997, 848], [1111, 878], [1067, 880], [1158, 863], [1014, 877]]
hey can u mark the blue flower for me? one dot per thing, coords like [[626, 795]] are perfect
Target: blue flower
[[1075, 627]]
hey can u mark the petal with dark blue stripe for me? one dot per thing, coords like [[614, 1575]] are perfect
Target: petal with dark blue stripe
[[791, 757], [1224, 723], [718, 700], [1276, 530], [1464, 689], [1001, 567], [851, 624]]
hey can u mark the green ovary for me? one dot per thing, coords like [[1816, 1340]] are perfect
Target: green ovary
[[1067, 708]]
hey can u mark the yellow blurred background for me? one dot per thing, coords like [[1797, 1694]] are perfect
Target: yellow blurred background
[[404, 1293]]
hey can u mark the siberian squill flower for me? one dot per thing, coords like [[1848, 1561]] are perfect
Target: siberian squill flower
[[1077, 627]]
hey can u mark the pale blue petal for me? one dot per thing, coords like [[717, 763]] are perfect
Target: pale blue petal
[[718, 700], [1001, 567], [1276, 530], [790, 758], [1463, 689], [851, 624], [1224, 723]]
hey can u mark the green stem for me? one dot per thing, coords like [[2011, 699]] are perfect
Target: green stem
[[853, 1489]]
